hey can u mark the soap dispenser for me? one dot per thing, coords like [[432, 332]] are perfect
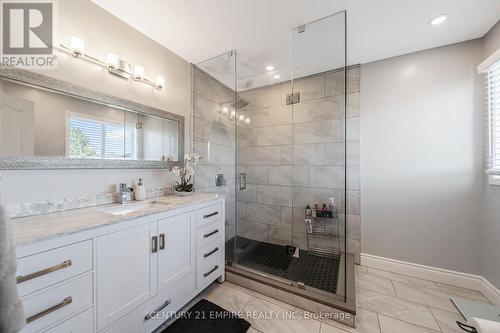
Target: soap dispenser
[[140, 191]]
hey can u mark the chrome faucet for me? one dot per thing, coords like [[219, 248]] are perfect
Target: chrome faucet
[[123, 193]]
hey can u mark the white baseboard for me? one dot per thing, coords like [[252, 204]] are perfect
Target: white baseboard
[[470, 281]]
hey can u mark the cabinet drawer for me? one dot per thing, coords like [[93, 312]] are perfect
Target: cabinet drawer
[[57, 303], [210, 233], [47, 268], [81, 323], [169, 301], [209, 214], [210, 263]]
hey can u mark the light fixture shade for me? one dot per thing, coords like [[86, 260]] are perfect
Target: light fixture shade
[[76, 45], [160, 82], [138, 72], [112, 60]]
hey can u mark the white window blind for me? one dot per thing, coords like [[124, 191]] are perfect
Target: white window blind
[[89, 138], [493, 118]]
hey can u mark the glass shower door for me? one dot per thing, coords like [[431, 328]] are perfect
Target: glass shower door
[[290, 157], [317, 95]]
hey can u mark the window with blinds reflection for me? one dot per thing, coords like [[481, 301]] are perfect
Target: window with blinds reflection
[[90, 138]]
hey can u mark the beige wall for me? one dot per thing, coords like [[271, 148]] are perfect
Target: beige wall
[[421, 157], [103, 32]]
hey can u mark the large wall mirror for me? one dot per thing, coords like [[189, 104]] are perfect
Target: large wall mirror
[[47, 123]]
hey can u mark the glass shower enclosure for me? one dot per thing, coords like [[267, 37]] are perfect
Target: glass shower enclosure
[[278, 132]]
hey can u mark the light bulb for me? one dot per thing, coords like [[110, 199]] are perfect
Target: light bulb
[[160, 82], [241, 118], [269, 68], [248, 121], [276, 76], [112, 60], [76, 45], [225, 110], [138, 72]]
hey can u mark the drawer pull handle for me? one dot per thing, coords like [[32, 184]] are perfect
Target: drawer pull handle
[[162, 241], [154, 244], [211, 233], [66, 301], [24, 278], [157, 310], [210, 215], [211, 252], [211, 271]]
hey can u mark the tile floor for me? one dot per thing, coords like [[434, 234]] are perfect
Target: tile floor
[[387, 303]]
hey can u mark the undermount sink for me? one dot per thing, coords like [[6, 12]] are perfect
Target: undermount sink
[[132, 208]]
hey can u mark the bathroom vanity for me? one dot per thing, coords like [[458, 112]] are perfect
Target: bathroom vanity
[[118, 268]]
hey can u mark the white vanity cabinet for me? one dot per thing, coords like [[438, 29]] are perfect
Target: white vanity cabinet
[[124, 277], [127, 271]]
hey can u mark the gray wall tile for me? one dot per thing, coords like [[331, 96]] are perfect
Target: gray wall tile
[[275, 195], [318, 131], [280, 175], [327, 177], [263, 213]]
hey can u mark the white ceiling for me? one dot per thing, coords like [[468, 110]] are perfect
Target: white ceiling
[[261, 30]]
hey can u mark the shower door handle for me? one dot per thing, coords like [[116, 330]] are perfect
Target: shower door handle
[[242, 181]]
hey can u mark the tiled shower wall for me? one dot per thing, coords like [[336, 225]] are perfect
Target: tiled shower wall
[[213, 139], [294, 156]]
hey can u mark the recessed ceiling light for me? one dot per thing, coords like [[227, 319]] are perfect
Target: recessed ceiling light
[[276, 76], [439, 19], [269, 68]]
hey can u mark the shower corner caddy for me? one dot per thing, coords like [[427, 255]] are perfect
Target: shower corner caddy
[[323, 233]]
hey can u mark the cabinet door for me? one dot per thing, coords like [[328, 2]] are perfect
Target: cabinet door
[[126, 272], [176, 254]]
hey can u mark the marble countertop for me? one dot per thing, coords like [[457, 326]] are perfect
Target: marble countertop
[[31, 229]]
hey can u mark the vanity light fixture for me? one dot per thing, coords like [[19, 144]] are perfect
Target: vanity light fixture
[[160, 82], [112, 61], [113, 64], [76, 46], [138, 73]]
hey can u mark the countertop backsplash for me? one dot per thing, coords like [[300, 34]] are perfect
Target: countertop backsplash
[[58, 205]]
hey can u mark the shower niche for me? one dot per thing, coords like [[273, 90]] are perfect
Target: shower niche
[[285, 134]]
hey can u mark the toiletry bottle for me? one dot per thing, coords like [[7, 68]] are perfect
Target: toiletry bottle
[[324, 208], [316, 206], [308, 212], [140, 191], [332, 207]]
